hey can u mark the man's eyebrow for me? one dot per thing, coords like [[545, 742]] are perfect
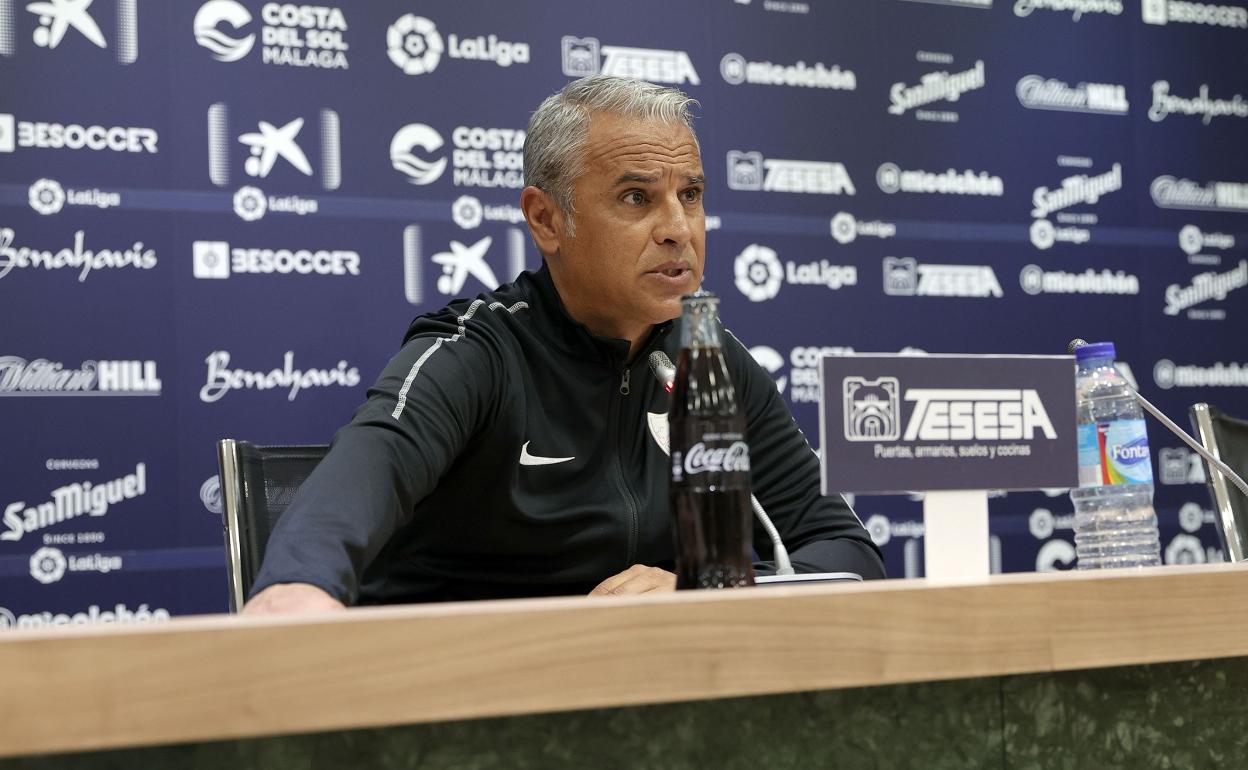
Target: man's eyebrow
[[637, 177]]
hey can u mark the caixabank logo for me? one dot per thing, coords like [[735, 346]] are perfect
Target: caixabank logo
[[277, 150], [461, 267], [74, 28], [290, 35]]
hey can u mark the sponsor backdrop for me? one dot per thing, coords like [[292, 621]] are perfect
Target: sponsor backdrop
[[217, 218]]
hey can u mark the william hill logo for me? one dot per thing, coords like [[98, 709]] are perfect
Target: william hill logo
[[872, 409]]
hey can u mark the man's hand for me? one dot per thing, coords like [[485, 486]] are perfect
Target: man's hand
[[289, 598], [637, 579]]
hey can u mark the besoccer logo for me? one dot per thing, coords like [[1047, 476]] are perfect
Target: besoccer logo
[[467, 212], [416, 170], [47, 565], [209, 35], [758, 273], [250, 203], [46, 196], [414, 44], [872, 411], [210, 259]]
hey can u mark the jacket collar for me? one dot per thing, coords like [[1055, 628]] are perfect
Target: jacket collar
[[573, 337]]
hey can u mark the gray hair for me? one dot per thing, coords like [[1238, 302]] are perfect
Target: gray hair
[[554, 144]]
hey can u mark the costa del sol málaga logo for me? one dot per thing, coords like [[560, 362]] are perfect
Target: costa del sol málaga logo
[[209, 35], [405, 161]]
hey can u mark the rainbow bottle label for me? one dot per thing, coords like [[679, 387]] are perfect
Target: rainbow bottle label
[[1114, 453]]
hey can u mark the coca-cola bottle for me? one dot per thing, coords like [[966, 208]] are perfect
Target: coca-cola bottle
[[710, 489]]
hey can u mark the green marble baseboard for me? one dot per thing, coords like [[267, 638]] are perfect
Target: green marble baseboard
[[1182, 715]]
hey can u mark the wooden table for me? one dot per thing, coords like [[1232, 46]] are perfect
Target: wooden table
[[213, 678]]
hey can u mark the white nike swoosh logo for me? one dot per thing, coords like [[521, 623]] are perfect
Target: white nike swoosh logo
[[528, 459]]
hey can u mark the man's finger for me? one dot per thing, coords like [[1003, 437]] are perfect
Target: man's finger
[[607, 587], [638, 579]]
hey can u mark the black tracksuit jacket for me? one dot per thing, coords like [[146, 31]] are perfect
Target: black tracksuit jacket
[[508, 451]]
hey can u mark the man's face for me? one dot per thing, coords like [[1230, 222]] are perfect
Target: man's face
[[640, 241]]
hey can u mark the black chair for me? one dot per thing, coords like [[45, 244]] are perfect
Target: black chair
[[1226, 438], [257, 484]]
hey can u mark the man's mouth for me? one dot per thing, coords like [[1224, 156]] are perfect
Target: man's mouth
[[672, 269]]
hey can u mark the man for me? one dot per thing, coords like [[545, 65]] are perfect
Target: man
[[511, 447]]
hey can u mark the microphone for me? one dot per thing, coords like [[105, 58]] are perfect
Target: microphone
[[665, 373], [662, 369], [1222, 467]]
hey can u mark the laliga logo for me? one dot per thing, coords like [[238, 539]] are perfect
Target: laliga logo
[[46, 196], [47, 565], [414, 44], [880, 529], [467, 211], [222, 46], [758, 273], [250, 203], [402, 158]]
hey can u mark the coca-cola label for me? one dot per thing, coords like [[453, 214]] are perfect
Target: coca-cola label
[[715, 453]]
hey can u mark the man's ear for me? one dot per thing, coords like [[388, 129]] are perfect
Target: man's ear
[[545, 219]]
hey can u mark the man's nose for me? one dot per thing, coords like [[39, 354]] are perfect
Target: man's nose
[[672, 227]]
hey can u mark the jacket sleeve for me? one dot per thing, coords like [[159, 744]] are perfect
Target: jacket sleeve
[[822, 533], [429, 401]]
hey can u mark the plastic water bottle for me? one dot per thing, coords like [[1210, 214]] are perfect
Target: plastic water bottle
[[1115, 524]]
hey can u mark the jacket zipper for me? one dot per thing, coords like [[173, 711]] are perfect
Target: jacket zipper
[[616, 406]]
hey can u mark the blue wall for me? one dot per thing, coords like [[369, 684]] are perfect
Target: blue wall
[[958, 176]]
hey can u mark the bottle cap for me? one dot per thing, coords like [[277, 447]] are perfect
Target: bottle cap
[[1095, 350]]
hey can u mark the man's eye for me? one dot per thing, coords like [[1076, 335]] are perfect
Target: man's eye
[[635, 197], [692, 195]]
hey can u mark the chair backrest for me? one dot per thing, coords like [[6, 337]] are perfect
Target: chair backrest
[[257, 484], [1226, 438]]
